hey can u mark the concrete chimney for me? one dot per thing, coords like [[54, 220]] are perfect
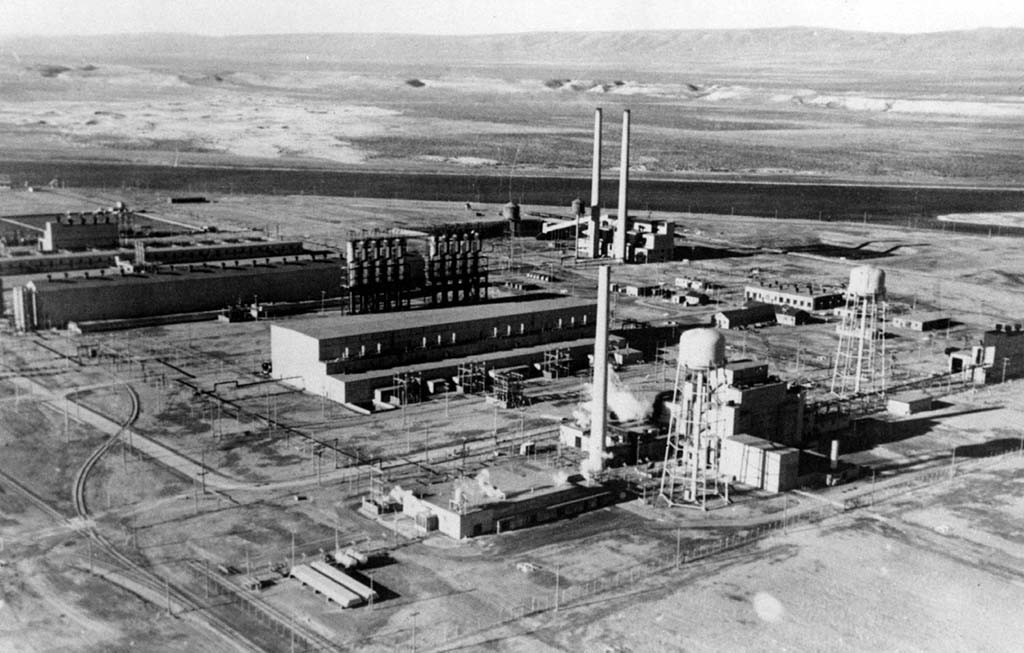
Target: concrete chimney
[[594, 226], [595, 175], [619, 244], [599, 416], [833, 457]]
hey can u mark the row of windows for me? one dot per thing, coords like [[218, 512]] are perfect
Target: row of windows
[[773, 298], [440, 339]]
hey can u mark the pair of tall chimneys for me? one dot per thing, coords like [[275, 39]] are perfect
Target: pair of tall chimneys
[[619, 243]]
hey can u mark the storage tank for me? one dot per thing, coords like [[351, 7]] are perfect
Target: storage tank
[[577, 207], [702, 349], [866, 281]]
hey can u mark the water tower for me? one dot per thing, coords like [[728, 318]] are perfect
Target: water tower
[[859, 366], [691, 457]]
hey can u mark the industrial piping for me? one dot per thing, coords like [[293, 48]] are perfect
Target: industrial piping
[[622, 224], [598, 419]]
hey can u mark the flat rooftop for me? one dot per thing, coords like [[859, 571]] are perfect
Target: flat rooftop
[[180, 270], [343, 326], [519, 481]]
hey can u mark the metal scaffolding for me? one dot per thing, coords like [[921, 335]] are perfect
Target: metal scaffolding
[[409, 386], [859, 366], [690, 473], [556, 364], [508, 390], [472, 377]]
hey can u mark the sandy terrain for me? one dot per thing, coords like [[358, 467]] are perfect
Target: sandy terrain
[[282, 108]]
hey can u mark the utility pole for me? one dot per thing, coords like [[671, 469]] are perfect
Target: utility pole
[[202, 469], [557, 585], [678, 546]]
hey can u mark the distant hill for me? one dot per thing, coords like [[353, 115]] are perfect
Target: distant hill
[[958, 52]]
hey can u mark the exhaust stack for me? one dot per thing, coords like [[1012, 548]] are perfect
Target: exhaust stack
[[598, 419], [620, 228], [594, 224], [595, 175]]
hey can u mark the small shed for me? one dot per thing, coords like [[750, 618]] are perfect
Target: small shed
[[922, 321], [909, 403], [627, 356], [789, 316]]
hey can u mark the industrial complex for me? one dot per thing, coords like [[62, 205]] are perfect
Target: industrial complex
[[345, 413]]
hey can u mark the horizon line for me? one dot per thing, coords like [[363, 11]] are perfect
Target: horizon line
[[512, 33]]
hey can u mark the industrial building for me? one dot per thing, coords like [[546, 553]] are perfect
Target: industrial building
[[346, 358], [689, 298], [921, 321], [85, 231], [166, 290], [742, 398], [909, 403], [697, 283], [796, 295], [789, 316], [623, 238], [153, 252], [997, 357], [748, 316], [760, 463], [384, 274], [504, 498]]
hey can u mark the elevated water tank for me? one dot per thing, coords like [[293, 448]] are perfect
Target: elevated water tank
[[702, 349], [510, 212], [577, 207], [866, 281]]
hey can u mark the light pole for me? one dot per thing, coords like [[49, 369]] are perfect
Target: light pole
[[413, 615]]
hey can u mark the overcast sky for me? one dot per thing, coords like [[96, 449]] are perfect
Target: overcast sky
[[221, 17]]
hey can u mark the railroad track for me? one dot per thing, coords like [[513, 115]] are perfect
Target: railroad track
[[32, 497], [137, 573]]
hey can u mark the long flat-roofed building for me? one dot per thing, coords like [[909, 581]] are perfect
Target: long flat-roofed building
[[797, 295], [58, 300], [347, 357]]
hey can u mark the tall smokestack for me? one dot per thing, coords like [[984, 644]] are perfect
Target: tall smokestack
[[598, 419], [593, 230], [621, 226], [595, 175]]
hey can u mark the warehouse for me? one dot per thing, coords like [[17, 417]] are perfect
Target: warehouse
[[57, 300], [753, 315], [347, 357], [99, 231], [504, 498], [789, 316], [921, 321], [160, 253], [797, 295]]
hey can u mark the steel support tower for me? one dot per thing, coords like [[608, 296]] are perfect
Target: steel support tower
[[690, 472]]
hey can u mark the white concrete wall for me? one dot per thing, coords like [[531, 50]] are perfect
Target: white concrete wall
[[296, 355]]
